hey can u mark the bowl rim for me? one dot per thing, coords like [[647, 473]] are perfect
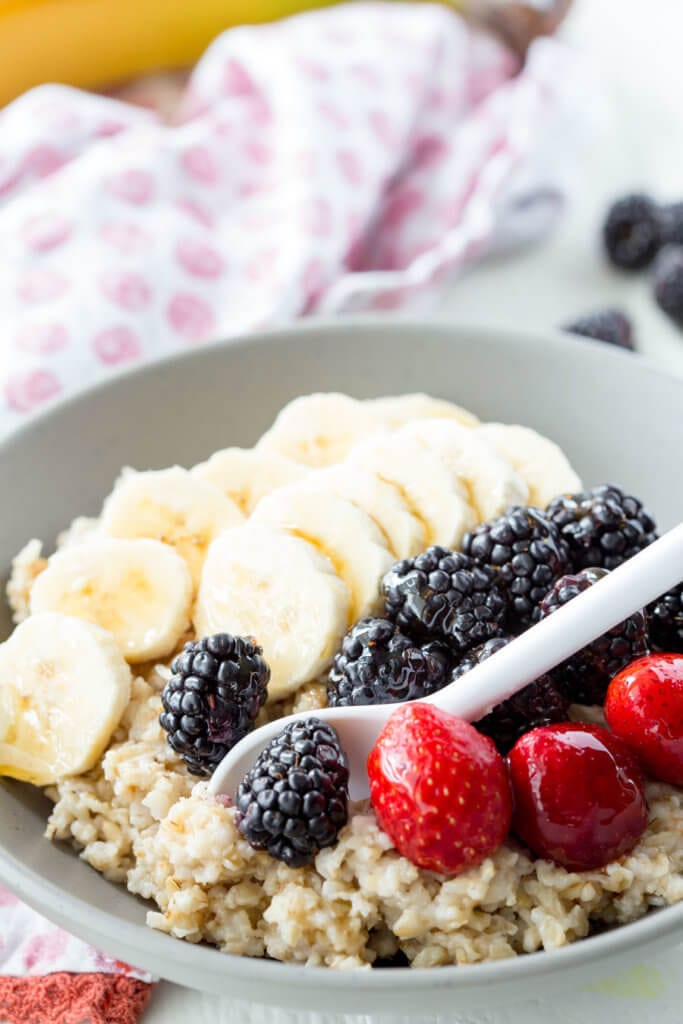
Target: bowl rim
[[149, 945]]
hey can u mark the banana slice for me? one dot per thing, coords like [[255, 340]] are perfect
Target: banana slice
[[539, 461], [245, 475], [403, 532], [172, 506], [431, 490], [490, 481], [395, 411], [263, 582], [139, 590], [346, 535], [319, 430], [64, 685]]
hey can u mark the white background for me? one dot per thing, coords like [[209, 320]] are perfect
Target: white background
[[636, 51]]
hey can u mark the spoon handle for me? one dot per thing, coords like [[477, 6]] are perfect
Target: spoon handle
[[631, 586]]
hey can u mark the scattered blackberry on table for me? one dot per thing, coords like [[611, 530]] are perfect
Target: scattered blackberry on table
[[608, 325], [602, 527], [378, 664], [665, 618], [539, 703], [585, 676], [668, 282], [445, 596], [671, 224], [525, 550], [294, 801], [217, 689], [631, 232]]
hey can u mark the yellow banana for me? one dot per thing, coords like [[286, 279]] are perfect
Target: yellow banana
[[97, 43]]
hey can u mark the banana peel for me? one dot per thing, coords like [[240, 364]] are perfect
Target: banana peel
[[95, 44]]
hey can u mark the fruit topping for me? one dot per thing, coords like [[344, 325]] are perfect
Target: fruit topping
[[378, 664], [439, 789], [294, 800], [539, 703], [644, 707], [585, 676], [603, 527], [525, 550], [219, 685], [578, 795], [665, 619], [445, 596]]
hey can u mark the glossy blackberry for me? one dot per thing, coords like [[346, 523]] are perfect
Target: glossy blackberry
[[217, 689], [631, 232], [602, 527], [378, 664], [608, 325], [294, 800], [444, 596], [539, 703], [671, 224], [665, 618], [525, 550], [585, 676], [668, 282]]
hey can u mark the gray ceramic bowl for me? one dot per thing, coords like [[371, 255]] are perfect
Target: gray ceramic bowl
[[618, 420]]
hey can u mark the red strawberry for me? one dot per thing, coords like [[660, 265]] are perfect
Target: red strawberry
[[439, 789], [644, 707], [578, 793]]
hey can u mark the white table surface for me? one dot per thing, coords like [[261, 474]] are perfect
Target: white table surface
[[635, 47]]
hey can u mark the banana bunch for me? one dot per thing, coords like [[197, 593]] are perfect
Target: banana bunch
[[286, 541], [98, 43]]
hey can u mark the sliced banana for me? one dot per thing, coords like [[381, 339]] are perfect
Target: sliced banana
[[139, 590], [403, 532], [432, 491], [263, 582], [320, 429], [170, 505], [245, 475], [539, 461], [345, 534], [396, 410], [64, 685], [491, 483]]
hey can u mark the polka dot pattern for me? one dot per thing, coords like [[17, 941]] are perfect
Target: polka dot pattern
[[311, 154]]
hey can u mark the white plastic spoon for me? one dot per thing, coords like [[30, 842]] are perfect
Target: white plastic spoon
[[607, 603]]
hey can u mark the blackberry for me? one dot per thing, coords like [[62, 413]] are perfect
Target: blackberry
[[378, 664], [665, 617], [217, 689], [671, 224], [668, 282], [539, 703], [602, 527], [294, 800], [585, 676], [444, 596], [608, 325], [525, 550], [631, 232]]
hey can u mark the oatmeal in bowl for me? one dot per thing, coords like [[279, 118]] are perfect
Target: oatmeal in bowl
[[362, 552]]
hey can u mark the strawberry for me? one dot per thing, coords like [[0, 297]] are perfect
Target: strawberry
[[439, 789], [578, 793], [644, 707]]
